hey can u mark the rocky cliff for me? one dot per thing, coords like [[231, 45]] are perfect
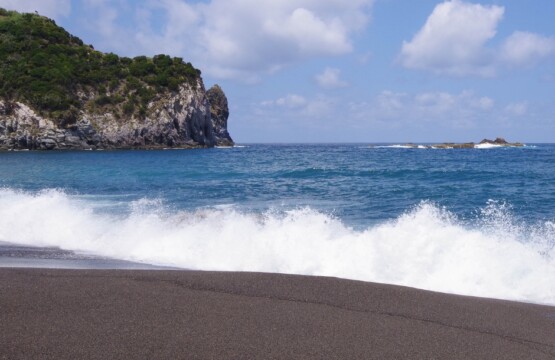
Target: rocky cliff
[[183, 118], [219, 112], [58, 93]]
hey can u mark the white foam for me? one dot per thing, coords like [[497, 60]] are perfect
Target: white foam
[[487, 146], [397, 146], [426, 248]]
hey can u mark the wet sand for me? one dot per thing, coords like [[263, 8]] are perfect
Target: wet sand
[[152, 314], [21, 256]]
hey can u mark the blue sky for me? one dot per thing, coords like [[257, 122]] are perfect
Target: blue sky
[[347, 71]]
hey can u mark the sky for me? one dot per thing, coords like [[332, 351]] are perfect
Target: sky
[[346, 71]]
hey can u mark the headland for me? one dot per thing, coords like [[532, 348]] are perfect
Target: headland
[[57, 93]]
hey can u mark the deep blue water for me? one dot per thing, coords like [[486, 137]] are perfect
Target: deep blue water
[[359, 184], [469, 221]]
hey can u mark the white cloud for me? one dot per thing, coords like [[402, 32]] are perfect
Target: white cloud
[[454, 40], [524, 48], [309, 33], [240, 39], [330, 79], [51, 8]]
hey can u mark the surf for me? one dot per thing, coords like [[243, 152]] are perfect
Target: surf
[[428, 247]]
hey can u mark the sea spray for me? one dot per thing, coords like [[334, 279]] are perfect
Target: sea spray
[[427, 247]]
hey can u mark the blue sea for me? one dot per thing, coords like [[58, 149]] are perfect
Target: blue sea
[[467, 221]]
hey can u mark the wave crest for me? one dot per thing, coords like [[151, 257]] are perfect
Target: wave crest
[[427, 247]]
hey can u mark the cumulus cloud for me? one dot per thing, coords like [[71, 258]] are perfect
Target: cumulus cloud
[[330, 79], [239, 39], [309, 33], [51, 8], [454, 41], [453, 38]]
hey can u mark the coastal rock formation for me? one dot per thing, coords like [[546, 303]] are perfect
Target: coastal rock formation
[[469, 145], [178, 119], [500, 142], [58, 93], [484, 143], [220, 113]]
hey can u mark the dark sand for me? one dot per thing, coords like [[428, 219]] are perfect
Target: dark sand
[[122, 314], [21, 256]]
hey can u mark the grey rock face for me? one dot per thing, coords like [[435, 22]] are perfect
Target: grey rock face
[[220, 113], [177, 119]]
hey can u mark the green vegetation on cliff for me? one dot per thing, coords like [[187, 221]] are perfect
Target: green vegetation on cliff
[[52, 71]]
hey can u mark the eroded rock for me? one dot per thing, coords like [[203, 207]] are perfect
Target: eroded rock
[[219, 111], [182, 118]]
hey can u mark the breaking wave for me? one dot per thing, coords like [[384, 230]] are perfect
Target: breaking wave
[[428, 247]]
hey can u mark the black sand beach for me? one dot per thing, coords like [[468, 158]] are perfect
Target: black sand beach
[[122, 314]]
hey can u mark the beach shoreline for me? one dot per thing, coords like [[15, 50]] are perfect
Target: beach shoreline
[[22, 256], [63, 314]]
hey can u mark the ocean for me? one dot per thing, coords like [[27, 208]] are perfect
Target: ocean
[[477, 222]]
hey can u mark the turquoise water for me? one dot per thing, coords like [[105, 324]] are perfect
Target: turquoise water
[[471, 221]]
